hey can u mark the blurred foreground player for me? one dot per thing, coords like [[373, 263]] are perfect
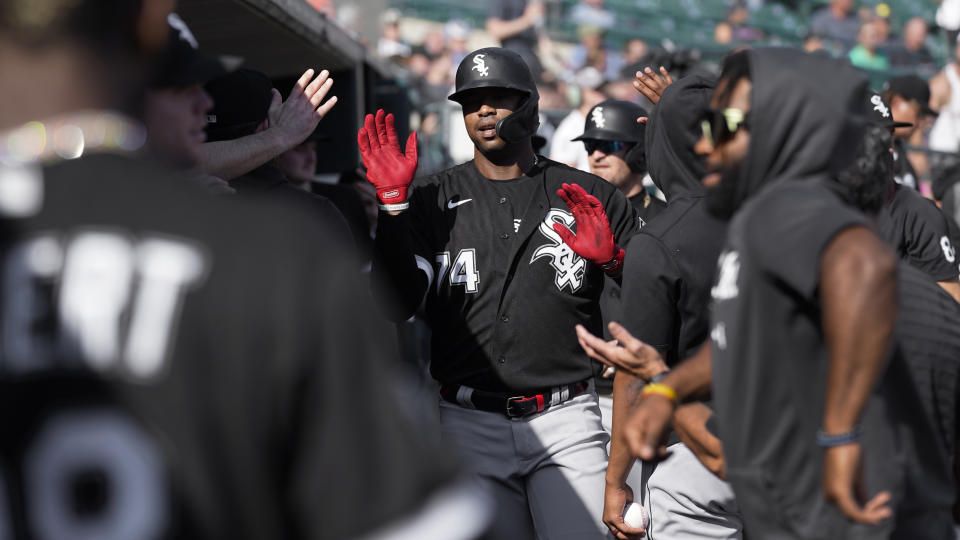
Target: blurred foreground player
[[172, 367], [484, 244]]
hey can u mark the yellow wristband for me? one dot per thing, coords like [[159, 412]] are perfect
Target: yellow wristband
[[659, 389]]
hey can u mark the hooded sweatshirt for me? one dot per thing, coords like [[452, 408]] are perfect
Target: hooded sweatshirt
[[770, 360], [669, 264]]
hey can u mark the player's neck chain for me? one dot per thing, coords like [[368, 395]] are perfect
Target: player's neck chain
[[71, 136]]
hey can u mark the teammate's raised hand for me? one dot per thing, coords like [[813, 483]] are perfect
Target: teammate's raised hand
[[389, 170], [296, 118], [632, 355], [651, 84], [593, 240]]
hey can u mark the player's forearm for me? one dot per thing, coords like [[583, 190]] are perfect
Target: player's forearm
[[858, 295], [501, 29], [395, 267], [626, 392], [691, 378], [690, 424], [230, 159]]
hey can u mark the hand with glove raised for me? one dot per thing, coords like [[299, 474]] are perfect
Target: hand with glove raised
[[389, 170], [593, 240]]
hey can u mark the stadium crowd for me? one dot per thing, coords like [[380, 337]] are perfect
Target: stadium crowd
[[601, 291]]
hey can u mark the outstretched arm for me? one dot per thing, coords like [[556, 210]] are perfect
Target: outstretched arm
[[291, 122]]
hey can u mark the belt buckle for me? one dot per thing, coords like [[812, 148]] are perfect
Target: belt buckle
[[509, 412]]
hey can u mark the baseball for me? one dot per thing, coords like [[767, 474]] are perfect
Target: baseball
[[635, 516]]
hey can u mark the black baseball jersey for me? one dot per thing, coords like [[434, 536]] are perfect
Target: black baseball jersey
[[179, 366], [770, 366], [903, 172], [646, 206], [503, 292], [918, 231]]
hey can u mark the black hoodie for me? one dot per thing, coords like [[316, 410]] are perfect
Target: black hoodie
[[770, 360], [670, 263]]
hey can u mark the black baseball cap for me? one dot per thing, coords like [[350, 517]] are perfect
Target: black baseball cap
[[182, 63], [912, 88], [879, 112], [241, 101]]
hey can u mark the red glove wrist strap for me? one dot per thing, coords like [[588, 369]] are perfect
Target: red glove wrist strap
[[614, 264]]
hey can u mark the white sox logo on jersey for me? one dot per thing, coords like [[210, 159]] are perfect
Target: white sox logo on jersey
[[569, 266], [597, 117], [480, 65]]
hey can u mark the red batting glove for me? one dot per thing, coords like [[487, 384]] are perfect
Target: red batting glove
[[387, 169], [593, 240]]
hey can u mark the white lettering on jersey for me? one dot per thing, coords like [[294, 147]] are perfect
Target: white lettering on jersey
[[719, 335], [115, 300], [516, 225], [569, 266], [949, 252], [726, 287], [597, 117], [480, 65]]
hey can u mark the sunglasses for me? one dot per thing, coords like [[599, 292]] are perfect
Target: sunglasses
[[607, 147], [721, 126]]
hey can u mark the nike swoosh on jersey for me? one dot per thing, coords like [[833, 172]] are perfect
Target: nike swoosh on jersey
[[453, 204]]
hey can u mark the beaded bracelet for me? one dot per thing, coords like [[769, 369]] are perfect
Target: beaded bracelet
[[827, 440]]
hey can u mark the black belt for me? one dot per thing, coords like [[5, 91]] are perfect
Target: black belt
[[511, 406]]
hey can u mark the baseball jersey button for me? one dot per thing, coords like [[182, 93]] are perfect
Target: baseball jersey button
[[502, 200], [502, 359], [505, 318], [504, 236]]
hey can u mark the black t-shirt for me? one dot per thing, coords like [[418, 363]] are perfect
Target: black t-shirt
[[770, 364], [523, 43], [666, 278], [502, 298], [176, 366], [917, 230]]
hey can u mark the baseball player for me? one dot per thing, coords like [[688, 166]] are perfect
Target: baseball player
[[615, 145], [177, 366], [486, 246]]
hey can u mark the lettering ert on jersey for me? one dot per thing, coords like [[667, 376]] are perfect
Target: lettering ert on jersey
[[569, 266]]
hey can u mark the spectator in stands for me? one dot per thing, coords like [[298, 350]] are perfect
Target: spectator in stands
[[945, 100], [563, 148], [723, 33], [456, 33], [867, 55], [391, 45], [592, 13], [516, 24], [434, 44], [836, 23], [812, 43], [738, 18], [634, 50], [912, 51], [593, 52]]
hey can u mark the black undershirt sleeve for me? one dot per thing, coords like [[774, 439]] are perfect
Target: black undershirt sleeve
[[399, 282]]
